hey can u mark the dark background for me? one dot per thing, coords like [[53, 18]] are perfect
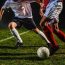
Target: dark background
[[35, 8]]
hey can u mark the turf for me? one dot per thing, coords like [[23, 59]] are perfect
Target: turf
[[26, 55]]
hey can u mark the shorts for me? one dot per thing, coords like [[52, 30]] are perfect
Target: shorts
[[54, 11], [57, 11], [26, 22]]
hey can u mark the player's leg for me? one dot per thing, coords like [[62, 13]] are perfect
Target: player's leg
[[29, 24], [12, 26], [58, 32], [49, 33], [53, 46]]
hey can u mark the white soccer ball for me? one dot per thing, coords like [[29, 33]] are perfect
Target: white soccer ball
[[43, 52]]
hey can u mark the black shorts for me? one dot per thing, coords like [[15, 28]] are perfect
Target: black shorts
[[26, 22]]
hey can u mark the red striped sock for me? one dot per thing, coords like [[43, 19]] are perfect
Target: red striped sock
[[60, 34], [49, 33]]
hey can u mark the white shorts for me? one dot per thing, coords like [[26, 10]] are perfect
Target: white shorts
[[57, 11], [54, 11]]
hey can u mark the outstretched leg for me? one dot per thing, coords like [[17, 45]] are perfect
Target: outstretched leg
[[49, 33]]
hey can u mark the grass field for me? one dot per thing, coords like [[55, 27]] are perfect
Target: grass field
[[10, 55]]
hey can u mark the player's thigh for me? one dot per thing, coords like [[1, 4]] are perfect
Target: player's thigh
[[29, 24]]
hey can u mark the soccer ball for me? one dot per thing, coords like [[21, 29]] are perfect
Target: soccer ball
[[43, 52]]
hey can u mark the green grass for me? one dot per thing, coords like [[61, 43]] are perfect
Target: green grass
[[9, 55]]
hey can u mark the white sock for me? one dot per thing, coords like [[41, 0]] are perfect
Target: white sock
[[43, 35], [16, 35]]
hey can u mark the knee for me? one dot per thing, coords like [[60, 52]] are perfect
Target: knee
[[12, 25], [36, 30]]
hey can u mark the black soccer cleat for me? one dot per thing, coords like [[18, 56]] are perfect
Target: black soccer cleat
[[18, 44], [52, 49]]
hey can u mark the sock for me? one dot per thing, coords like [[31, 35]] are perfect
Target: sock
[[16, 35], [49, 33], [60, 34], [43, 35]]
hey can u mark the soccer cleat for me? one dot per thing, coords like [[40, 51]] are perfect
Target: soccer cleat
[[18, 44], [52, 49]]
